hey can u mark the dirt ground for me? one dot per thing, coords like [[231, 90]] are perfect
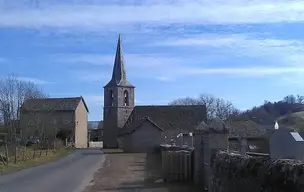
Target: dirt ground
[[125, 172]]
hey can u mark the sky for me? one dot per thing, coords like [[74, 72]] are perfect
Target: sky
[[244, 51]]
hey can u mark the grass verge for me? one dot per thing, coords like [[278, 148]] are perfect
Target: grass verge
[[52, 156]]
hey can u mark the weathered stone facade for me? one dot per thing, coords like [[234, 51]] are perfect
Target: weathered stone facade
[[207, 140], [235, 172], [118, 101], [146, 138], [46, 117]]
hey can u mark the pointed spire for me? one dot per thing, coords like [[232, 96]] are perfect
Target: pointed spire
[[119, 76], [119, 72]]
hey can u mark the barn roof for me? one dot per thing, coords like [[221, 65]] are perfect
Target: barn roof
[[171, 119], [53, 104], [213, 126], [137, 124], [245, 128]]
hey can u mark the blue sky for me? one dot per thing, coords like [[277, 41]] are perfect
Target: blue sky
[[245, 51]]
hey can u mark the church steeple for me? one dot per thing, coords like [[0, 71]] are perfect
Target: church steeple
[[119, 75], [119, 100]]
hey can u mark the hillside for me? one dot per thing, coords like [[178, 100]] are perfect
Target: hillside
[[293, 120], [288, 112]]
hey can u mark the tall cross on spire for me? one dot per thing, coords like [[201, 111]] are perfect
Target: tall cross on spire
[[119, 75]]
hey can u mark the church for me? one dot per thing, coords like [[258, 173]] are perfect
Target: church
[[141, 128]]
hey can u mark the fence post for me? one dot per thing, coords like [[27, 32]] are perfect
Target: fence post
[[15, 157], [243, 145], [23, 151], [198, 157], [7, 155], [34, 153]]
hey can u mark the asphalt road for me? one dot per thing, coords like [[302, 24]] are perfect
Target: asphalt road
[[69, 174]]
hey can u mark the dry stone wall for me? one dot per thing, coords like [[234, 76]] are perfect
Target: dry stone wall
[[234, 173]]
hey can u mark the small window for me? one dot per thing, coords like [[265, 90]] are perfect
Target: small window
[[126, 98], [112, 98]]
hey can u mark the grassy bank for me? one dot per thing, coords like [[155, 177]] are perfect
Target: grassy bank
[[50, 156]]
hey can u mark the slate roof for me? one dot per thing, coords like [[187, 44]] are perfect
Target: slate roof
[[119, 75], [136, 125], [246, 128], [54, 104], [170, 119], [213, 126]]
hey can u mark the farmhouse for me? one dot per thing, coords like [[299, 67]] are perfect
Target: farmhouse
[[141, 128], [51, 116]]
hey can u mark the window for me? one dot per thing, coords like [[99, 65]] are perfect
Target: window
[[126, 98], [112, 98]]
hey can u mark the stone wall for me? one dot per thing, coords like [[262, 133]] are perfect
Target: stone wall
[[234, 172]]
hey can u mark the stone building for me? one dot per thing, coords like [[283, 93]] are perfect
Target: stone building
[[139, 128], [292, 146], [149, 126], [95, 130], [51, 116]]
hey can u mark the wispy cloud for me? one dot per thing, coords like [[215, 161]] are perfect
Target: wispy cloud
[[171, 68], [240, 44], [154, 16], [34, 80], [92, 59], [92, 76], [153, 13]]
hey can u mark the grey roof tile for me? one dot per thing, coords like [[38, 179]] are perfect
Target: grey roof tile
[[52, 104], [171, 119]]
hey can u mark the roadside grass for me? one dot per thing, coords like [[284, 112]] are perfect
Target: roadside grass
[[42, 157]]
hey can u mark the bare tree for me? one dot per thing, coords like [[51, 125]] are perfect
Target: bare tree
[[300, 99], [291, 99], [185, 101], [216, 107], [13, 92]]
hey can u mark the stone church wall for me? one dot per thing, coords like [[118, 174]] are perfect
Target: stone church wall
[[234, 172]]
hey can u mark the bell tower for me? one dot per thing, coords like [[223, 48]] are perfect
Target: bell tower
[[118, 100]]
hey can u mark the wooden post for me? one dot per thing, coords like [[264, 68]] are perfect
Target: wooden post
[[7, 155], [34, 153], [40, 154], [15, 151], [23, 151]]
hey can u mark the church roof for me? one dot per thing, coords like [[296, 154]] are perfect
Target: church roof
[[170, 119], [53, 104], [119, 75]]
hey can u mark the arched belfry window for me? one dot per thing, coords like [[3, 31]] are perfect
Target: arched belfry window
[[126, 98], [112, 98]]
